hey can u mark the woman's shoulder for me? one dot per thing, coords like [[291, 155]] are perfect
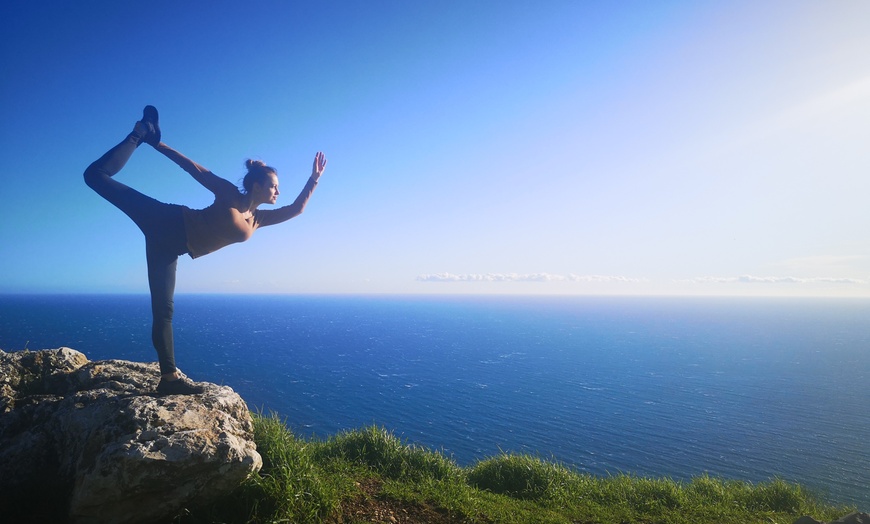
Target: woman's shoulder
[[229, 196]]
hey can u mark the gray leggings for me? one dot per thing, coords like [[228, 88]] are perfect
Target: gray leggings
[[165, 240]]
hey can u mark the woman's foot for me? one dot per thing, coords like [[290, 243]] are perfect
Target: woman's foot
[[179, 386], [140, 131], [149, 119]]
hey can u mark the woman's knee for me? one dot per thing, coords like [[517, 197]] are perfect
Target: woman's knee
[[162, 309], [94, 176]]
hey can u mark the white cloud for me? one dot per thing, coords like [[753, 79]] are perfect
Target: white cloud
[[524, 277]]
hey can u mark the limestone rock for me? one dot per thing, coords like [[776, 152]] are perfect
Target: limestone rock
[[807, 520], [851, 518], [26, 373], [90, 441]]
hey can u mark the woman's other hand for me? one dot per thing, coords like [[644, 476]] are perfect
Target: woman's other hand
[[319, 166]]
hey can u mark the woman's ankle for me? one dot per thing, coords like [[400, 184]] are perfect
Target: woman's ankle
[[138, 134]]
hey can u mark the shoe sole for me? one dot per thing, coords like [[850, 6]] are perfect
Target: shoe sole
[[149, 115]]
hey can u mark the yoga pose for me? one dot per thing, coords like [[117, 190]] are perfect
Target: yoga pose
[[171, 230]]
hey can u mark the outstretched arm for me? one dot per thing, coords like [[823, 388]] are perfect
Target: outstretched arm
[[217, 185], [268, 217]]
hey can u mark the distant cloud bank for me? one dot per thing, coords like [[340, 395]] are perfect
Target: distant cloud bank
[[750, 279], [522, 277], [549, 277]]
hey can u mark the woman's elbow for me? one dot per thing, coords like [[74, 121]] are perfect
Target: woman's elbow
[[296, 210]]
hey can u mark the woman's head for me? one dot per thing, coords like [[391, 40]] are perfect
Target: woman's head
[[261, 181], [258, 173]]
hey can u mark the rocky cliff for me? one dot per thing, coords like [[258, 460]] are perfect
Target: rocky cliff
[[85, 441]]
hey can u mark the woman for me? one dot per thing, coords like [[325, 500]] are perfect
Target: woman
[[172, 230]]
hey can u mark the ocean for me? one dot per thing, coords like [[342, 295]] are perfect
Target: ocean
[[737, 388]]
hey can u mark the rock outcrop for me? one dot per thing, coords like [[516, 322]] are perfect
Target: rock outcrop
[[851, 518], [85, 441]]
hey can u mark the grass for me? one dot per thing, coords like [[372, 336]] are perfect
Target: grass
[[370, 475]]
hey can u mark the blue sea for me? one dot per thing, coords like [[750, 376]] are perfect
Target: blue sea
[[748, 389]]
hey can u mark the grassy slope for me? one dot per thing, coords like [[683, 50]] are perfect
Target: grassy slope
[[370, 475]]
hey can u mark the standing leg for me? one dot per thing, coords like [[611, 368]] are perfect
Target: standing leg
[[161, 281], [162, 265]]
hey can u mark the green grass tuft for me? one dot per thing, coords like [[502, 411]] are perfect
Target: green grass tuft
[[294, 487], [310, 481], [387, 455], [524, 477]]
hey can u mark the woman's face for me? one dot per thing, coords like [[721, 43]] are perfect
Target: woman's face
[[267, 192]]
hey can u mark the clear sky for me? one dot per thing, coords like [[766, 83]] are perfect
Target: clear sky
[[546, 147]]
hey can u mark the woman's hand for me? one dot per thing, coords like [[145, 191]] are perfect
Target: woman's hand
[[319, 166]]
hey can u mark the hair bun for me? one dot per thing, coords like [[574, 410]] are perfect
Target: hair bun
[[254, 163]]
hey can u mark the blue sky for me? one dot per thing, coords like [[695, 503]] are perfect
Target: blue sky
[[553, 147]]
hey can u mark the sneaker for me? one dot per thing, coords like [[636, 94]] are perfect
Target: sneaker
[[181, 386], [149, 118]]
